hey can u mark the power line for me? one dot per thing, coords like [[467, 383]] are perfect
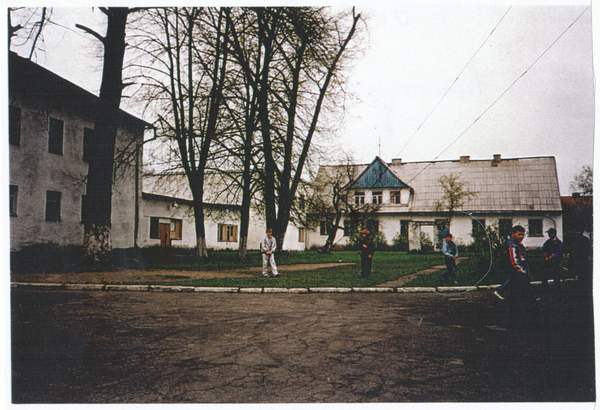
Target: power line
[[454, 82], [502, 95]]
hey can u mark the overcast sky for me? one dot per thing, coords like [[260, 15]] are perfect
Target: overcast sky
[[437, 82]]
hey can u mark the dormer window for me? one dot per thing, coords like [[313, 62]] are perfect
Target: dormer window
[[394, 197]]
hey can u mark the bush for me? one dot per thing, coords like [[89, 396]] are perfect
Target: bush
[[379, 241], [426, 243], [400, 243], [47, 257], [483, 241]]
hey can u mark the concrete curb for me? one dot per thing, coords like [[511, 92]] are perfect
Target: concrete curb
[[168, 288]]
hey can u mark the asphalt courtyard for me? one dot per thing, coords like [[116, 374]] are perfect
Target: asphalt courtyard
[[72, 346]]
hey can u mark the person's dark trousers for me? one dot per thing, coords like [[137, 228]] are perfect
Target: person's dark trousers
[[584, 275], [451, 269], [365, 264], [551, 268], [522, 302]]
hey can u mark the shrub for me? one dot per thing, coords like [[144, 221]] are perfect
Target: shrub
[[489, 241], [400, 243], [47, 257], [426, 243], [379, 241]]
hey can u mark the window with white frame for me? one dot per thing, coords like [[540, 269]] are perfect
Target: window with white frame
[[377, 198], [359, 198], [536, 227]]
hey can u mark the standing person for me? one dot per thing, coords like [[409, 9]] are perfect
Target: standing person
[[552, 251], [267, 248], [580, 255], [522, 306], [367, 248], [450, 252]]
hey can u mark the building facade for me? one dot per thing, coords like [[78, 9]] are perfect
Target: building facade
[[167, 216], [50, 124], [508, 192]]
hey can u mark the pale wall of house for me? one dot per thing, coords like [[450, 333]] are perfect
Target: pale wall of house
[[34, 171], [461, 228], [163, 208], [124, 190]]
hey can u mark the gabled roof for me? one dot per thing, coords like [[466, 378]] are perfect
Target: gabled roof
[[378, 175], [502, 185]]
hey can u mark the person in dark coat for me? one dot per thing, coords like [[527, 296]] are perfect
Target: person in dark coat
[[450, 252], [580, 258], [552, 251], [367, 248], [522, 307]]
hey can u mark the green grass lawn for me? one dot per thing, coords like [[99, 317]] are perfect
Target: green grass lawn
[[472, 272], [387, 266]]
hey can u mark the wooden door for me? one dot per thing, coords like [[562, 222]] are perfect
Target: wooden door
[[164, 233]]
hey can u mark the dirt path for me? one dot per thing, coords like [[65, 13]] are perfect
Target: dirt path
[[405, 279]]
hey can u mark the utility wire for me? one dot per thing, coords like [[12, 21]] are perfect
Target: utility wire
[[452, 85], [501, 95]]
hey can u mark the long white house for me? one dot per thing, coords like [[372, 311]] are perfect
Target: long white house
[[508, 192]]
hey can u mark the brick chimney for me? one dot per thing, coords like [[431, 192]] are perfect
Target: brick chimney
[[497, 160], [396, 161], [464, 159]]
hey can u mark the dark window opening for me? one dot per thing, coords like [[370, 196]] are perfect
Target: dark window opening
[[14, 190], [14, 125], [504, 226], [535, 227], [55, 136], [478, 227], [53, 199], [88, 136]]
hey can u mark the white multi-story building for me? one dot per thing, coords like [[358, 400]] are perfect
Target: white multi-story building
[[51, 121]]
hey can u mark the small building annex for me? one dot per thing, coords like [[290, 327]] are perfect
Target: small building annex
[[167, 215], [508, 192]]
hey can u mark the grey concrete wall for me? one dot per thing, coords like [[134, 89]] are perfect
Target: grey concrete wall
[[34, 170]]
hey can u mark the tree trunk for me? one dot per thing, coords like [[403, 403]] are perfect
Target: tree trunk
[[197, 188], [244, 222], [97, 207], [332, 234]]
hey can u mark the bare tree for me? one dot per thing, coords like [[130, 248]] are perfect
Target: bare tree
[[329, 198], [583, 182], [456, 194], [298, 56], [183, 67], [30, 25]]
